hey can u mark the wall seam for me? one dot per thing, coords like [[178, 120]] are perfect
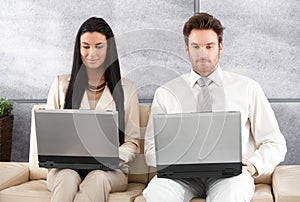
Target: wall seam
[[271, 100]]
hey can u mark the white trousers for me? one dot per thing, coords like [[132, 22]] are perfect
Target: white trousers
[[67, 186], [235, 189]]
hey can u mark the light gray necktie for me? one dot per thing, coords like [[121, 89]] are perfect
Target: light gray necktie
[[204, 98]]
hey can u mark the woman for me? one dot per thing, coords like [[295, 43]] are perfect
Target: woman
[[95, 83]]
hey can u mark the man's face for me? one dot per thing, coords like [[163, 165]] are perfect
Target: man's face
[[204, 51]]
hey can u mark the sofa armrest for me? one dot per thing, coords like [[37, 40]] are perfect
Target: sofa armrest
[[286, 183], [13, 173], [36, 173]]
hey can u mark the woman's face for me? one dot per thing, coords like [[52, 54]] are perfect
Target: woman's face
[[93, 48]]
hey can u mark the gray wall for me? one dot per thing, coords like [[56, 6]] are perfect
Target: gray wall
[[261, 41]]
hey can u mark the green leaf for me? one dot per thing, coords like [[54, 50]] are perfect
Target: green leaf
[[6, 107]]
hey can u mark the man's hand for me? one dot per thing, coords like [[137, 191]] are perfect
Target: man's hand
[[249, 166]]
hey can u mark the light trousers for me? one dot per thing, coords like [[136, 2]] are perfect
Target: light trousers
[[67, 186], [234, 189]]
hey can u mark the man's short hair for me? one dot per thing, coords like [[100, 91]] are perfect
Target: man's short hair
[[203, 21]]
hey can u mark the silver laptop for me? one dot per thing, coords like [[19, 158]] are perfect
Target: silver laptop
[[77, 139], [192, 145]]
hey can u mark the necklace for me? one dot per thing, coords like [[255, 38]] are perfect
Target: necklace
[[96, 89]]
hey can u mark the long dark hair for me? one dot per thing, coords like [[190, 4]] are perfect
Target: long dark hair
[[79, 79]]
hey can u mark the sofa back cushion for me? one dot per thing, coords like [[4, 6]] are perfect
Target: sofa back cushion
[[265, 178], [138, 167]]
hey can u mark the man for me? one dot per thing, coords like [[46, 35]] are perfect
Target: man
[[263, 145]]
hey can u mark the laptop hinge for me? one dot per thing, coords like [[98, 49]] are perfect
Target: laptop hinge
[[228, 172], [167, 174], [49, 164]]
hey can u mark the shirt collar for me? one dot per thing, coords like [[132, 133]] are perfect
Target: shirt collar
[[216, 77], [194, 78]]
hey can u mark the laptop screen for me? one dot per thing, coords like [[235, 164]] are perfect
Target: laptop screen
[[198, 140], [76, 136]]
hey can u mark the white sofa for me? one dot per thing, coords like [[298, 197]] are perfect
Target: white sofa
[[20, 182]]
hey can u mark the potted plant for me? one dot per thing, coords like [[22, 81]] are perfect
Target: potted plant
[[6, 126]]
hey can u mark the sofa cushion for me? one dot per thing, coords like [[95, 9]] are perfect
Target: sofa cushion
[[140, 198], [13, 174], [138, 167], [36, 173], [31, 191], [144, 111], [265, 178], [37, 191], [133, 190], [138, 170], [262, 193], [286, 183]]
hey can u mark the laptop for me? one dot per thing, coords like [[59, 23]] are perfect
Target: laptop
[[192, 145], [77, 139]]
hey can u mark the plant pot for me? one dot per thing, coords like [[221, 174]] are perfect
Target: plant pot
[[6, 126]]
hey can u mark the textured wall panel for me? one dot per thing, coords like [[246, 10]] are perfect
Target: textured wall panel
[[21, 132], [288, 116], [37, 39], [261, 40]]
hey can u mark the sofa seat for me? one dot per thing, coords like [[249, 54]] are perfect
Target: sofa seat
[[16, 186], [133, 190], [12, 174], [263, 193], [31, 191], [36, 191]]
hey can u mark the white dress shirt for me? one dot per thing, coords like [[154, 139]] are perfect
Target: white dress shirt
[[262, 142]]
